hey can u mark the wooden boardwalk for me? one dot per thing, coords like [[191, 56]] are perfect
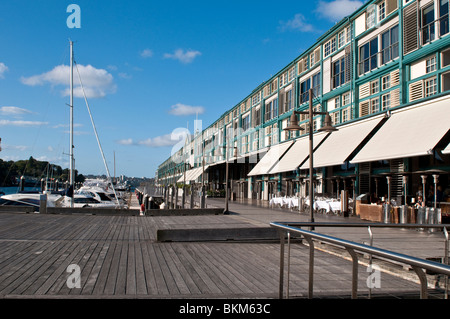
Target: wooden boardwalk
[[119, 257]]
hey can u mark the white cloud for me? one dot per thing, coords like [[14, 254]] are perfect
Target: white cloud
[[159, 141], [128, 141], [337, 9], [183, 57], [67, 125], [124, 75], [13, 111], [96, 82], [21, 123], [15, 147], [298, 23], [3, 69], [147, 53], [182, 110]]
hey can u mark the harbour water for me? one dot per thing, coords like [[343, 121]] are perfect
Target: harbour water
[[15, 189]]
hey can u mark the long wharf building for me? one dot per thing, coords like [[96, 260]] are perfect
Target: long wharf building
[[382, 73]]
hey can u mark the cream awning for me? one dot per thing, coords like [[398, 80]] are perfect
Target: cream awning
[[412, 131], [192, 174], [272, 156], [297, 154], [336, 149]]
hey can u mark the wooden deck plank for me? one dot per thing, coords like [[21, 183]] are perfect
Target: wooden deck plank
[[141, 285], [150, 280], [17, 263], [191, 268], [104, 271], [130, 286], [242, 281], [161, 287], [167, 253], [31, 270], [180, 267], [168, 277], [119, 257]]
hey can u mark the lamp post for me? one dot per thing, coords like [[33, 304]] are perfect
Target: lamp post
[[327, 127], [226, 176]]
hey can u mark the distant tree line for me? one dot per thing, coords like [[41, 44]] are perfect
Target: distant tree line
[[33, 170]]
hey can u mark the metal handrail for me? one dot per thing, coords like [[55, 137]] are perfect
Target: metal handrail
[[417, 264]]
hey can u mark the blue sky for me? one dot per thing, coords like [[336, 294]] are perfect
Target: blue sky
[[148, 68]]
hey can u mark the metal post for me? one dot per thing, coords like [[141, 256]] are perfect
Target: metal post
[[311, 267], [71, 177], [288, 263], [446, 261], [311, 165], [370, 256], [423, 282], [354, 272], [280, 290], [435, 178], [226, 180]]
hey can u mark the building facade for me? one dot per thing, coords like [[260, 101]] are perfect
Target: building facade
[[382, 73]]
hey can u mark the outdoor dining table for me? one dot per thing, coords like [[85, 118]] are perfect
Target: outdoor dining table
[[290, 202]]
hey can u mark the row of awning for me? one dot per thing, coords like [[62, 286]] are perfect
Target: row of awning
[[408, 132], [192, 174]]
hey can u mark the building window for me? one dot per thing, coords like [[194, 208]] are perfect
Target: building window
[[443, 17], [431, 64], [348, 32], [289, 100], [304, 91], [374, 87], [386, 82], [337, 102], [339, 72], [283, 79], [341, 39], [271, 110], [335, 117], [316, 85], [329, 47], [368, 56], [370, 18], [346, 113], [246, 123], [385, 101], [428, 33], [430, 87], [256, 99], [256, 117], [310, 83], [346, 99], [374, 105], [312, 59], [389, 45], [382, 10], [445, 82], [291, 74]]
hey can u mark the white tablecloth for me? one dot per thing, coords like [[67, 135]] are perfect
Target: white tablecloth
[[290, 202]]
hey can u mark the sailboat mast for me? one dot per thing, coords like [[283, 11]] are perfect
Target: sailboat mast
[[72, 177]]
